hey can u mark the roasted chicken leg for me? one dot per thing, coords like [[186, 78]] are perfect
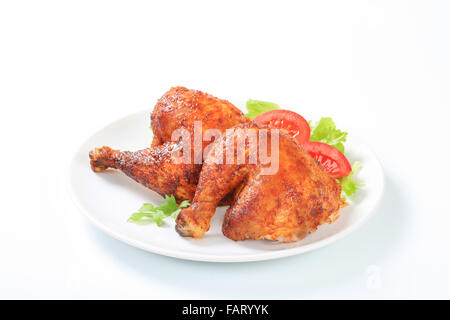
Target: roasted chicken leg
[[284, 206], [158, 168]]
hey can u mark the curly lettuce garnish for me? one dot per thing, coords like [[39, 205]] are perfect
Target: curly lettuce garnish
[[325, 131], [349, 183]]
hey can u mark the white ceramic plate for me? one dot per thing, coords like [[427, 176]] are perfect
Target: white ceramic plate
[[108, 199]]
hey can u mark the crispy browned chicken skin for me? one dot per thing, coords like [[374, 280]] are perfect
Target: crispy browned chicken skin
[[181, 107], [156, 167], [285, 206]]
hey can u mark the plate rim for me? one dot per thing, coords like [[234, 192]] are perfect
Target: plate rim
[[213, 258]]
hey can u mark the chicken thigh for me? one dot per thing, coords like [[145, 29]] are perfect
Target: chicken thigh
[[181, 108], [283, 206]]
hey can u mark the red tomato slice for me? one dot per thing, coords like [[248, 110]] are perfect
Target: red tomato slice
[[290, 122], [331, 159]]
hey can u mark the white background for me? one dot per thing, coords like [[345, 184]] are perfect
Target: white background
[[380, 69]]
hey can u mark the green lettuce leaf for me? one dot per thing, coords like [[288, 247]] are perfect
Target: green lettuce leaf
[[183, 204], [141, 218], [158, 218], [325, 131], [349, 183], [147, 207], [256, 107], [169, 205], [148, 213]]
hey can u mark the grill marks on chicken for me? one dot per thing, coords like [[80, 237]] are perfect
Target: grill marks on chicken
[[156, 167], [285, 206]]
